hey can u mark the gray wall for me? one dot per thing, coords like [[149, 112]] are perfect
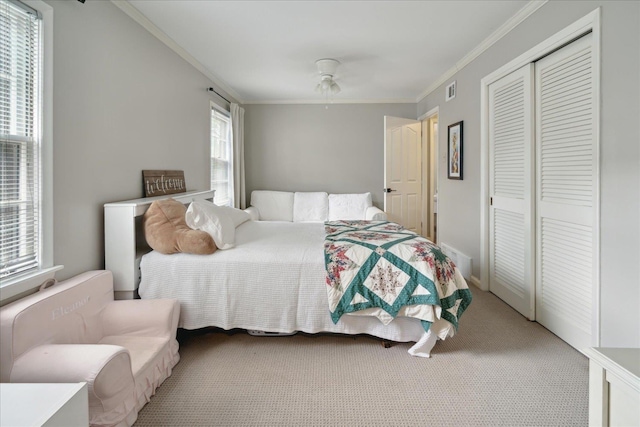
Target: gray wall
[[459, 201], [123, 102], [339, 149]]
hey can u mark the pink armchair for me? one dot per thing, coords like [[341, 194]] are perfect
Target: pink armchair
[[74, 331]]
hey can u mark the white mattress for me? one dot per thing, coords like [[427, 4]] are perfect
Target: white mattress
[[273, 280]]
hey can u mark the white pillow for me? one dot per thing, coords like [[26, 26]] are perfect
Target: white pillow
[[348, 206], [310, 207], [214, 220], [273, 205], [237, 216]]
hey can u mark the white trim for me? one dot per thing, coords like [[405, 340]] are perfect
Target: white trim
[[428, 114], [33, 279], [46, 159], [426, 136], [476, 282], [334, 101], [220, 109], [498, 34], [137, 16], [597, 45], [590, 22], [484, 186], [27, 282], [503, 30], [562, 37]]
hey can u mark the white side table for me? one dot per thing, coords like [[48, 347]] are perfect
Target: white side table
[[44, 405], [614, 386]]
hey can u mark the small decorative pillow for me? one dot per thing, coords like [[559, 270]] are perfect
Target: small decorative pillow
[[167, 232], [238, 216], [213, 219]]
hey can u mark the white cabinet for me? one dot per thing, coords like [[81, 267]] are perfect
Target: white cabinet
[[124, 242], [614, 386], [44, 405]]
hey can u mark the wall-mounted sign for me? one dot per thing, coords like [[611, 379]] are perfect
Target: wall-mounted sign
[[159, 183]]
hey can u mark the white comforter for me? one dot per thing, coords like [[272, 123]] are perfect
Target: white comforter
[[273, 280]]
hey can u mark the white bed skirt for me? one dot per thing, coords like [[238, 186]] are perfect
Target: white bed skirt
[[273, 280]]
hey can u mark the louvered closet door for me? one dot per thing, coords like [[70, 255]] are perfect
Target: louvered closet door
[[566, 192], [511, 154]]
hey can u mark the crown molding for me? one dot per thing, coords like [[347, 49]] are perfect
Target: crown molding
[[503, 30], [498, 34], [334, 101], [137, 16]]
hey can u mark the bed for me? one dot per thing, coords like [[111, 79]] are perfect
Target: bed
[[275, 280]]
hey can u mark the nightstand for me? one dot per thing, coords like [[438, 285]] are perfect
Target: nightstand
[[614, 386]]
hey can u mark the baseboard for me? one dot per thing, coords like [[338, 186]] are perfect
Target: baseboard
[[476, 282]]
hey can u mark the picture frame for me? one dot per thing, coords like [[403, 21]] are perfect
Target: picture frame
[[454, 151]]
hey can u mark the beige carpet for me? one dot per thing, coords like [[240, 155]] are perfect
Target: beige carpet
[[499, 370]]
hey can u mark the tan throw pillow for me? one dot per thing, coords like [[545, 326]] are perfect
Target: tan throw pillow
[[167, 232]]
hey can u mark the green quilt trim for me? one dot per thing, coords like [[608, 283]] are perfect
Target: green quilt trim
[[405, 297]]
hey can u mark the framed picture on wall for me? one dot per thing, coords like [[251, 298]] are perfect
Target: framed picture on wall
[[454, 151]]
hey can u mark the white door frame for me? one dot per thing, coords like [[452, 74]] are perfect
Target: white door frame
[[426, 136], [589, 23]]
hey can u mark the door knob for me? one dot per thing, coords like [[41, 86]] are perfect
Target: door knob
[[388, 190]]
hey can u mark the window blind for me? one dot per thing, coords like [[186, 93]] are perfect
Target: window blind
[[20, 135], [221, 159]]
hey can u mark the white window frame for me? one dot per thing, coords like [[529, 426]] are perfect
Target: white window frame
[[12, 288], [217, 110]]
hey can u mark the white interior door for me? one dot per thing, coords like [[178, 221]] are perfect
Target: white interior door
[[403, 172], [511, 212], [567, 158]]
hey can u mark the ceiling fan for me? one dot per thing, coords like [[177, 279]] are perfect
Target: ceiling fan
[[327, 69]]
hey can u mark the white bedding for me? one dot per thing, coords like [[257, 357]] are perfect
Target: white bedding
[[273, 280]]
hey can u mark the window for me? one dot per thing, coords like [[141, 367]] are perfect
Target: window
[[20, 139], [221, 159]]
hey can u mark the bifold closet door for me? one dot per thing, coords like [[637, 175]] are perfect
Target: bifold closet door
[[511, 222], [566, 160]]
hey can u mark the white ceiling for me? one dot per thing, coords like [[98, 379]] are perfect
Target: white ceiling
[[265, 51]]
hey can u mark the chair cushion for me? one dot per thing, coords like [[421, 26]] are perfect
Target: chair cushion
[[273, 205], [348, 206], [310, 207], [142, 350]]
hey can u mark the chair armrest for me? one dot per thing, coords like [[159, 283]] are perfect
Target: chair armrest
[[375, 214], [253, 211], [144, 318], [105, 368]]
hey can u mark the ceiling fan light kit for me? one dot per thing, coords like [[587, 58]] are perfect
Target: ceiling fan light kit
[[327, 69]]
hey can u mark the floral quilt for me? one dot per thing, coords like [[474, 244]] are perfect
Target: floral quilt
[[378, 268]]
